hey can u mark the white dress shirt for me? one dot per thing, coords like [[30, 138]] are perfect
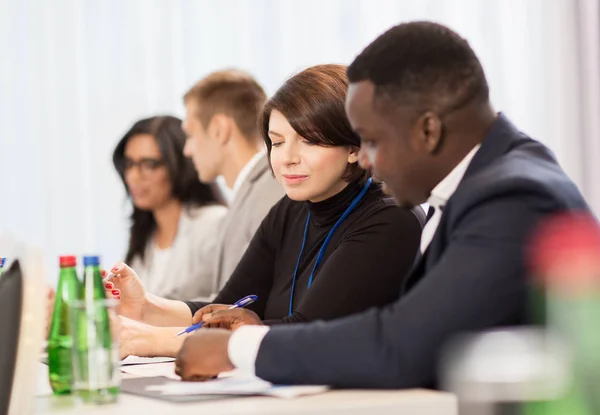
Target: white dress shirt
[[245, 342], [243, 174], [441, 194]]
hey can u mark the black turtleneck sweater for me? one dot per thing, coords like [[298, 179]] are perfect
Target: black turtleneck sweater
[[364, 265]]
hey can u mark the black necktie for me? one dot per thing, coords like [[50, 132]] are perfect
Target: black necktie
[[430, 213]]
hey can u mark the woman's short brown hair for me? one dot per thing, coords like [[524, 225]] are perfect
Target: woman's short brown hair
[[312, 101]]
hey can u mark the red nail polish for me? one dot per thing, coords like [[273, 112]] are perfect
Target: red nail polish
[[119, 297], [109, 285], [116, 292], [115, 269]]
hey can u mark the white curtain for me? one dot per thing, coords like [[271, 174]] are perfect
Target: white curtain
[[75, 74], [587, 22]]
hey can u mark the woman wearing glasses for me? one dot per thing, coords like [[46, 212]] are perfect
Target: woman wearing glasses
[[175, 216]]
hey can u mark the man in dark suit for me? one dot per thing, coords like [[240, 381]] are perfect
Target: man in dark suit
[[419, 99]]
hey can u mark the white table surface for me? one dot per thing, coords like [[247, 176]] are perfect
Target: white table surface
[[349, 402]]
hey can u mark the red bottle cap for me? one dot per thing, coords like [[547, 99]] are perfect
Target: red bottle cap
[[67, 261], [566, 251]]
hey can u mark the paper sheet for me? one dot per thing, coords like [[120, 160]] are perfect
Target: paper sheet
[[129, 360], [289, 392], [228, 383], [166, 370], [236, 385], [234, 372], [136, 360]]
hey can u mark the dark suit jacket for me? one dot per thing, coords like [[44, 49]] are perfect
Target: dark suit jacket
[[472, 277]]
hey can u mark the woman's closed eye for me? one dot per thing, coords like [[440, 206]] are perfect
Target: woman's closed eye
[[308, 142], [276, 143]]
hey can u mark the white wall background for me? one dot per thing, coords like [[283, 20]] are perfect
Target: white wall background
[[75, 74]]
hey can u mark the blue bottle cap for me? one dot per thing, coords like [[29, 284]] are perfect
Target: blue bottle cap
[[2, 261], [91, 261]]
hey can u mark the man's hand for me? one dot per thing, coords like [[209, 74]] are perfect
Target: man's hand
[[204, 355], [220, 316]]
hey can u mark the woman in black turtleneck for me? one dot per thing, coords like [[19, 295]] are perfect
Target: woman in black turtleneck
[[314, 155]]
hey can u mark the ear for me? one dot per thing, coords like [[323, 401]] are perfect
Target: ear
[[429, 130], [220, 128], [353, 156]]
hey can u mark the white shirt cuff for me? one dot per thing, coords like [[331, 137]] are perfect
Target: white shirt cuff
[[243, 347]]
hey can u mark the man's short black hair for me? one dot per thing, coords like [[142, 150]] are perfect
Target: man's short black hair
[[424, 65]]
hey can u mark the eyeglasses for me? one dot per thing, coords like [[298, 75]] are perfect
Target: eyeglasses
[[146, 165]]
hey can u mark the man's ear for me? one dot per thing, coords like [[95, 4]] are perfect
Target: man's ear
[[429, 131], [220, 128]]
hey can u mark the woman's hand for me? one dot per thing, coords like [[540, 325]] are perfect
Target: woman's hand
[[126, 286], [140, 339]]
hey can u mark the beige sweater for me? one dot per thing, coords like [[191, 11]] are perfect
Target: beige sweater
[[186, 269]]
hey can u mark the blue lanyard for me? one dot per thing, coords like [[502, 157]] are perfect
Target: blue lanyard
[[342, 218]]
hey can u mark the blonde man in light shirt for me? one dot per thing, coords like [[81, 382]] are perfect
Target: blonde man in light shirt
[[223, 140]]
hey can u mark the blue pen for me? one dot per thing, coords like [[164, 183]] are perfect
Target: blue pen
[[238, 304]]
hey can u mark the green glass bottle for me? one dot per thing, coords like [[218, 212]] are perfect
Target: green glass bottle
[[60, 337], [96, 352], [566, 261], [93, 288]]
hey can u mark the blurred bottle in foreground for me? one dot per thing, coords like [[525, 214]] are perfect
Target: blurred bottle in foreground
[[96, 359], [566, 260], [2, 262], [60, 339], [552, 368]]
